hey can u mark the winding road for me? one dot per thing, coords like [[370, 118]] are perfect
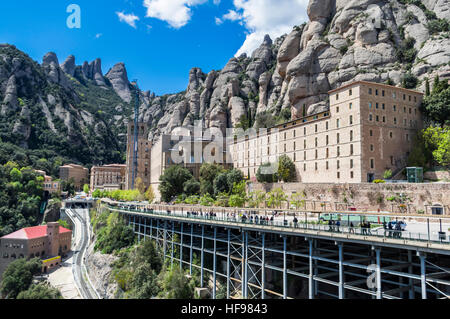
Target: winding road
[[81, 223]]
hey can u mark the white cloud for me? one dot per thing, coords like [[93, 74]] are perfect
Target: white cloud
[[232, 16], [129, 19], [218, 21], [272, 17], [98, 35], [177, 13]]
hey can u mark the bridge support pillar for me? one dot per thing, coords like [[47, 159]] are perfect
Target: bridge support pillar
[[311, 271], [378, 272], [410, 270], [341, 271], [201, 256], [181, 247], [173, 244], [165, 240], [284, 268], [145, 229], [214, 264], [423, 276], [263, 269], [228, 263], [191, 248], [244, 265]]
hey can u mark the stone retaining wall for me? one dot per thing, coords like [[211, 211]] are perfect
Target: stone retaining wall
[[366, 196]]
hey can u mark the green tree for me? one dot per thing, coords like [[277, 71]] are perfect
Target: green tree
[[265, 120], [191, 187], [234, 176], [16, 175], [69, 186], [40, 291], [206, 200], [267, 173], [140, 185], [427, 87], [432, 146], [144, 282], [86, 188], [97, 193], [208, 173], [172, 181], [387, 174], [276, 197], [238, 197], [149, 194], [221, 184], [64, 223], [115, 235], [18, 276], [298, 200], [175, 285], [438, 141], [436, 106], [286, 169]]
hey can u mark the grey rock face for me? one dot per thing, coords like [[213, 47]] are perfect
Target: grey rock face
[[440, 7], [237, 109], [119, 80], [10, 100], [97, 72], [320, 10], [69, 65], [50, 58], [55, 74], [196, 79]]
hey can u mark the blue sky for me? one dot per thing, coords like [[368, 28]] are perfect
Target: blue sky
[[158, 40]]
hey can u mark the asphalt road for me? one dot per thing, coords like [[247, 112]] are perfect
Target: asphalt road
[[79, 253]]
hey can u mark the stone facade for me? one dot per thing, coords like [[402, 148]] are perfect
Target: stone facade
[[367, 196], [143, 156], [108, 177], [45, 242], [368, 128], [191, 153], [50, 185], [79, 174]]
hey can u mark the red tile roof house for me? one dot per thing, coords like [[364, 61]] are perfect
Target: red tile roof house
[[49, 242]]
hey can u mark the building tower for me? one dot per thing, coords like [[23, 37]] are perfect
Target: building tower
[[135, 139], [53, 239]]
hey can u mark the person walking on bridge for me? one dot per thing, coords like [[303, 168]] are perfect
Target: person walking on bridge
[[352, 228], [363, 228]]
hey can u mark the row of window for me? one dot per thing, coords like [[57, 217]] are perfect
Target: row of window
[[394, 108], [14, 246], [378, 92]]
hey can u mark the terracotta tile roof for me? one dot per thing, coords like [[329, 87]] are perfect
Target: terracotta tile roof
[[33, 232]]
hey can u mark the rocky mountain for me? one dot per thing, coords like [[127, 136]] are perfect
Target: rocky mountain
[[78, 109], [396, 42], [69, 110]]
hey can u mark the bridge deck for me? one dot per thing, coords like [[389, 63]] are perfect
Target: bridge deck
[[345, 234]]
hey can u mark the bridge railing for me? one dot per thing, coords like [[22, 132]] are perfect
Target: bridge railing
[[301, 224]]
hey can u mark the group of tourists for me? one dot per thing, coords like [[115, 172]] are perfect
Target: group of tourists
[[334, 226], [391, 231], [259, 220]]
